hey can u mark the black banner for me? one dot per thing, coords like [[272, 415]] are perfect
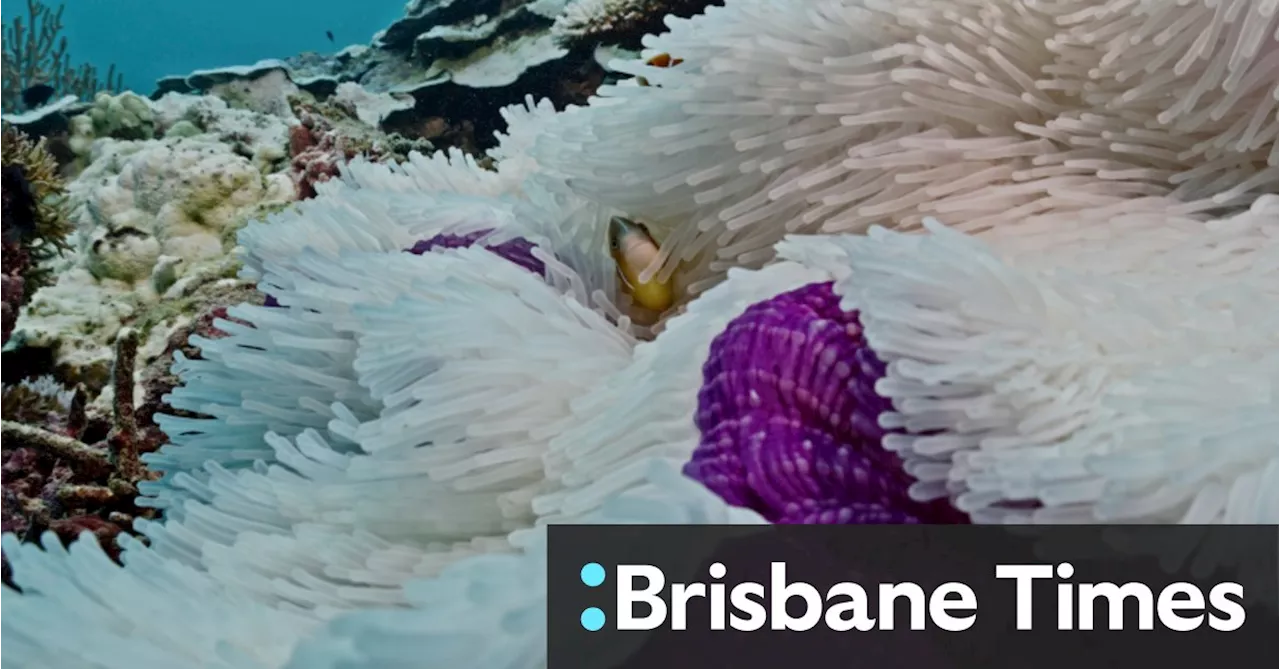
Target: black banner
[[916, 597]]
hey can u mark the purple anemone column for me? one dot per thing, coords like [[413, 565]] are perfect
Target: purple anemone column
[[788, 416], [518, 250]]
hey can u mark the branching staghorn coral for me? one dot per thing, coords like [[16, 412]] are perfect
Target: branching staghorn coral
[[35, 52], [1036, 331]]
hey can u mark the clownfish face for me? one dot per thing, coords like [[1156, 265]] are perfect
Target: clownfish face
[[633, 249]]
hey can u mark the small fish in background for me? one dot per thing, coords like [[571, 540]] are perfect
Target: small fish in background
[[20, 207], [329, 34], [660, 60], [633, 249], [664, 60], [37, 95]]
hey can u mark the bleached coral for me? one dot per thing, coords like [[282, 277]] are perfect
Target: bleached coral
[[265, 93], [263, 138], [615, 21], [149, 213], [371, 108], [121, 115], [186, 195]]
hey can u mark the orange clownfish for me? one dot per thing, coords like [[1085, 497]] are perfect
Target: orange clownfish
[[663, 60], [660, 60], [634, 249]]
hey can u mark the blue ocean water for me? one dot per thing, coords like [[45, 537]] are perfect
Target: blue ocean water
[[149, 39]]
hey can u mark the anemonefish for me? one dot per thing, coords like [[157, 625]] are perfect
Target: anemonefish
[[633, 249], [660, 60], [664, 60]]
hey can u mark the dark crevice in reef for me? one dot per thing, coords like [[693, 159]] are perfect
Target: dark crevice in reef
[[570, 80], [25, 363]]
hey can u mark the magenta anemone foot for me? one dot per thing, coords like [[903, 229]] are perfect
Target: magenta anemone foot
[[788, 416]]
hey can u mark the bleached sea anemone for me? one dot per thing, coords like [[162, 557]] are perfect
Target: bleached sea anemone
[[1049, 240]]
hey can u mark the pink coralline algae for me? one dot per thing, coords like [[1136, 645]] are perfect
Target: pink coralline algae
[[327, 137], [518, 250], [315, 154], [788, 417]]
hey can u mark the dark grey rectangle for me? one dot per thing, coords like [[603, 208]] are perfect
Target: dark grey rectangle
[[823, 555]]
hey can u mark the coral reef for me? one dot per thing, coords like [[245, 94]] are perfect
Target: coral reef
[[460, 62], [956, 260], [153, 214], [34, 218], [331, 134], [160, 188], [35, 52], [124, 116], [68, 472], [620, 22]]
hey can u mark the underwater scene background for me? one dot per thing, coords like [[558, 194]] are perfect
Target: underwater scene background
[[315, 315], [147, 40]]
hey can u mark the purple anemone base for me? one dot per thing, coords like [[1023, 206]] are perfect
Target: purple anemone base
[[518, 250], [788, 417]]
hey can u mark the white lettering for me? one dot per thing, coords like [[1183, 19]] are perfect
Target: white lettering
[[628, 597], [1233, 609], [1023, 574], [780, 592], [940, 606]]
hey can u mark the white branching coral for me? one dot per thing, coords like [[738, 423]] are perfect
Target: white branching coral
[[1057, 223]]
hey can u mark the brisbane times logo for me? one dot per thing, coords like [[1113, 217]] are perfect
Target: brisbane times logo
[[645, 601]]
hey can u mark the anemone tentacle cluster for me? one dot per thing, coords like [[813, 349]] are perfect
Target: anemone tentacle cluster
[[955, 260]]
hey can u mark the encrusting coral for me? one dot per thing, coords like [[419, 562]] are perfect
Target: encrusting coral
[[156, 217], [35, 52], [1046, 278]]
